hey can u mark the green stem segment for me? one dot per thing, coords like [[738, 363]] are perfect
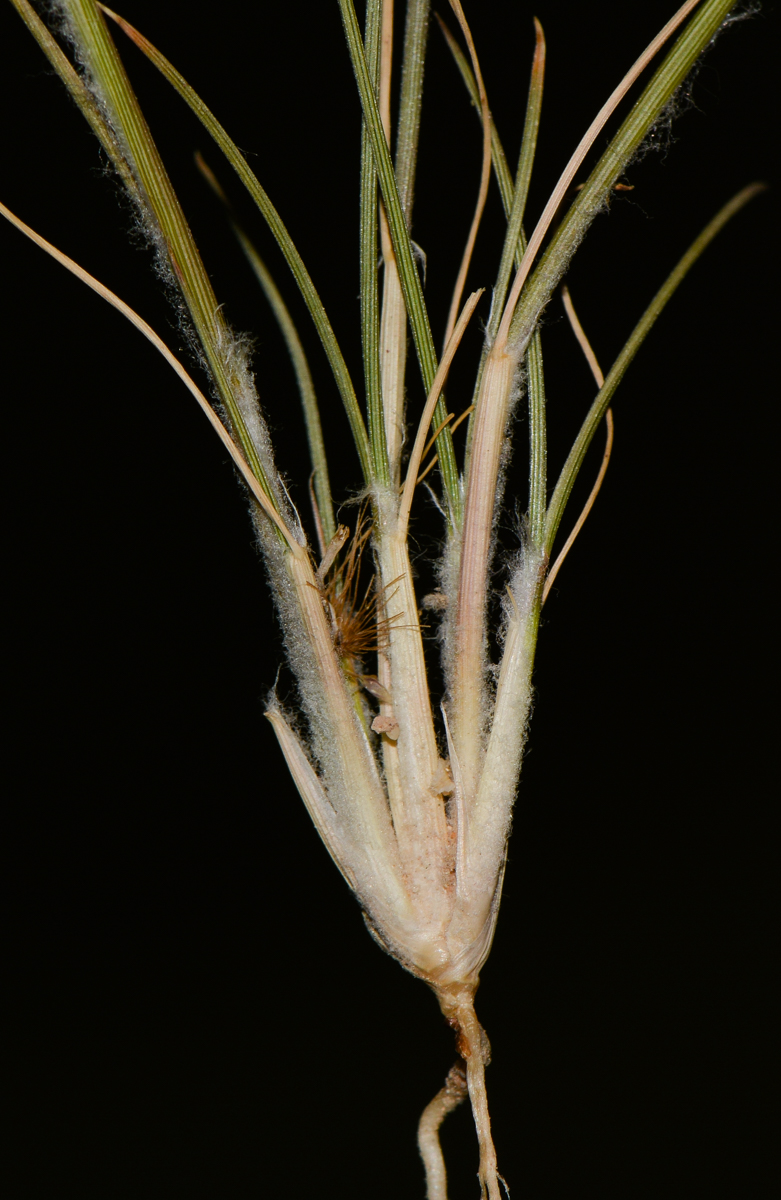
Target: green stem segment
[[370, 304], [402, 246], [415, 37]]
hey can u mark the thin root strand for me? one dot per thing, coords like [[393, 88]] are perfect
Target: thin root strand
[[446, 1099]]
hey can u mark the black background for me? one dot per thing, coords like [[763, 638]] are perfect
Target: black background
[[197, 1008]]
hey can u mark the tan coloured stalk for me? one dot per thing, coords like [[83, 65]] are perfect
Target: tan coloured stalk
[[468, 700]]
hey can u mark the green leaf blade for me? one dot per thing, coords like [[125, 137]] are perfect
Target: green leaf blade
[[160, 206], [278, 229], [616, 373], [657, 94]]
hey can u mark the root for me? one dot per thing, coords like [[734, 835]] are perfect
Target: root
[[474, 1048], [448, 1098], [474, 1041]]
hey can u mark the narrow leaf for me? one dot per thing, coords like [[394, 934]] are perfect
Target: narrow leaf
[[162, 211], [79, 92], [603, 399], [275, 224], [501, 169], [650, 105], [517, 193], [591, 199], [306, 387], [485, 174], [599, 378], [111, 298], [431, 402]]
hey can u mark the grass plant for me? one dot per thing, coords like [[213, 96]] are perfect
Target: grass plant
[[410, 785]]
